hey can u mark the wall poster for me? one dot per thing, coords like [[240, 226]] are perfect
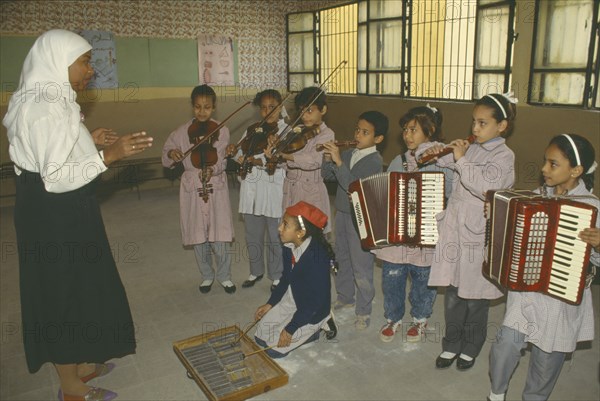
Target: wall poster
[[104, 59], [216, 60]]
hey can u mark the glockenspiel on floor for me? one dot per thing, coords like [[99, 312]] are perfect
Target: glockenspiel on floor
[[218, 365]]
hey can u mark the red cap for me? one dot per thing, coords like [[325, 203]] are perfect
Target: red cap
[[309, 212]]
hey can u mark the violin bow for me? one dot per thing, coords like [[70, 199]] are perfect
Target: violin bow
[[207, 136], [287, 140]]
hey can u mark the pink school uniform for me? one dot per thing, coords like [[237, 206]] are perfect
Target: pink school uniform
[[459, 252], [303, 181], [200, 221]]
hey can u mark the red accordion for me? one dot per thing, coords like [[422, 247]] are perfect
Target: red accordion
[[533, 245], [397, 208]]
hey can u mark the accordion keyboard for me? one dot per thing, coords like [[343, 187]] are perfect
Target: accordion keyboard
[[432, 203], [569, 252]]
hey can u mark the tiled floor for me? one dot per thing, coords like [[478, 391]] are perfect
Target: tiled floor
[[161, 279]]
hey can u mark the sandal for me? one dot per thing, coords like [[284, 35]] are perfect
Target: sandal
[[95, 394], [101, 370]]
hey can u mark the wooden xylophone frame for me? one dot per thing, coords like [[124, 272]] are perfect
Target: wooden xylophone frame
[[265, 374]]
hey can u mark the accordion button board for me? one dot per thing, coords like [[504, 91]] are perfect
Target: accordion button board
[[398, 208]]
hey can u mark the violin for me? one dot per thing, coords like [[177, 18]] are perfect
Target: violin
[[254, 143], [207, 136], [255, 140], [426, 159], [294, 141], [204, 155]]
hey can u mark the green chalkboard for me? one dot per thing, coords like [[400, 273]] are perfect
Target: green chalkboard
[[13, 50], [142, 62], [157, 62]]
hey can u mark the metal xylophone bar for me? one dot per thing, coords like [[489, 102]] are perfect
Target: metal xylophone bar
[[220, 362]]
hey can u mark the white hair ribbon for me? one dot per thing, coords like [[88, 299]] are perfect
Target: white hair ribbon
[[592, 168], [510, 96], [432, 108], [574, 148]]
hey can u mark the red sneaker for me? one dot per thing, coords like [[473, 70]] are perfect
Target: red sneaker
[[387, 332], [416, 332]]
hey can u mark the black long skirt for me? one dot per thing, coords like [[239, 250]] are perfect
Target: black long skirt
[[73, 303]]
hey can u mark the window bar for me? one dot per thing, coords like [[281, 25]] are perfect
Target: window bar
[[405, 67], [420, 66], [287, 50], [533, 50], [368, 48], [588, 73], [509, 45], [317, 46], [476, 70], [464, 68], [378, 59], [450, 72], [597, 72], [439, 62], [428, 24]]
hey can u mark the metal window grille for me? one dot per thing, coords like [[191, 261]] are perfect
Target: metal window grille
[[337, 28], [446, 49], [460, 49], [565, 51]]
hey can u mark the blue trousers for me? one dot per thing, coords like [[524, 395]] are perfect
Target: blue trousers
[[544, 368], [394, 277]]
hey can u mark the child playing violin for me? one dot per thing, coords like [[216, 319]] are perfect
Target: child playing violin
[[261, 194], [207, 225], [303, 181]]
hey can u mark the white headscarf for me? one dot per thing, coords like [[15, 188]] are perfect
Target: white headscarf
[[45, 82]]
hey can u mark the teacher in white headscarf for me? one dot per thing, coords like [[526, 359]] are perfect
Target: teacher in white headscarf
[[75, 312]]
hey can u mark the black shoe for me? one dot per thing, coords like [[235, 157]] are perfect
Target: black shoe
[[463, 364], [331, 330], [443, 363], [250, 283], [230, 289], [205, 288]]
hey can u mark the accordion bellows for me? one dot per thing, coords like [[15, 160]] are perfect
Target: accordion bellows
[[533, 245], [398, 208]]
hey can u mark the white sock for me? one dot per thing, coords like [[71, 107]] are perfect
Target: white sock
[[275, 282], [227, 283], [466, 357], [206, 283], [252, 277], [497, 397], [447, 355]]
